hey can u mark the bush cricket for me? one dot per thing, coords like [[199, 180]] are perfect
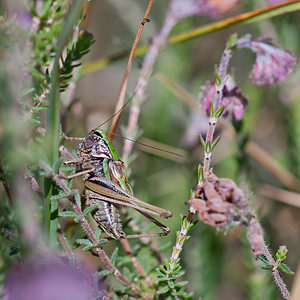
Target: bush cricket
[[105, 178]]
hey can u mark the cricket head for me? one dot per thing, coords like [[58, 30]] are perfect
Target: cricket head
[[97, 146]]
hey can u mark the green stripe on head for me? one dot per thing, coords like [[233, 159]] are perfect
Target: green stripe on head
[[109, 144]]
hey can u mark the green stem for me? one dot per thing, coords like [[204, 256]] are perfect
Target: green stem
[[245, 18], [53, 122]]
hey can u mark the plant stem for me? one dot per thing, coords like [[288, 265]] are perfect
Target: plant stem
[[181, 238], [212, 123], [122, 93], [150, 58]]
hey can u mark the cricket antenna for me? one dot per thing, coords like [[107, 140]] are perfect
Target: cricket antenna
[[152, 147], [116, 113]]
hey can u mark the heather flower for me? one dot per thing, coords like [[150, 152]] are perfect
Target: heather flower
[[49, 279], [233, 99], [185, 8], [220, 202], [272, 64]]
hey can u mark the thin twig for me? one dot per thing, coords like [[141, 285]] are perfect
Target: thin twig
[[86, 227], [64, 243], [180, 235], [212, 123], [158, 42], [123, 88]]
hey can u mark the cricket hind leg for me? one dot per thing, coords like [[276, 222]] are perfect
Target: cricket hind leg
[[164, 228], [144, 212]]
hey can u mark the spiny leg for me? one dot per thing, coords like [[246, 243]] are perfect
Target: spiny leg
[[78, 174], [143, 211]]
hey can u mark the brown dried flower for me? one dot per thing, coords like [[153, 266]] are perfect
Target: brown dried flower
[[220, 202]]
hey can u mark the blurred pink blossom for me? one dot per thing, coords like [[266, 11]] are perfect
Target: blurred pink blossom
[[272, 64], [233, 99], [213, 8], [275, 2], [50, 279]]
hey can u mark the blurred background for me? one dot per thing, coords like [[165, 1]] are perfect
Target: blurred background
[[218, 265]]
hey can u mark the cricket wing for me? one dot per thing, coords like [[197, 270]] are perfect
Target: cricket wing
[[106, 187]]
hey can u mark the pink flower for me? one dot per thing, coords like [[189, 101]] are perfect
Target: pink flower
[[272, 64], [233, 99], [213, 8]]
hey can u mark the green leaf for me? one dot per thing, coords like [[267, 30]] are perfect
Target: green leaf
[[45, 9], [67, 214], [202, 141], [263, 258], [78, 219], [98, 233], [93, 246], [161, 280], [77, 199], [200, 173], [127, 273], [232, 40], [90, 209], [161, 270], [84, 242], [181, 284], [218, 79], [14, 251], [284, 268], [219, 111], [171, 284], [163, 290], [267, 267], [214, 144], [103, 273], [122, 288], [208, 147], [114, 256], [211, 108]]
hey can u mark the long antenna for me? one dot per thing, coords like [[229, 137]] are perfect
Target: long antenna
[[122, 92]]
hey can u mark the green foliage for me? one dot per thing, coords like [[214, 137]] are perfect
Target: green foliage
[[75, 51], [169, 283], [280, 257]]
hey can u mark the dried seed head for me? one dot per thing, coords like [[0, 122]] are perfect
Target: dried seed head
[[220, 202]]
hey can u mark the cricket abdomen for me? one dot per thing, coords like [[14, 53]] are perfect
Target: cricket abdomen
[[106, 215]]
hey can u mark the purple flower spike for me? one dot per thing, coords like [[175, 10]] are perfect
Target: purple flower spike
[[272, 64], [233, 100]]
